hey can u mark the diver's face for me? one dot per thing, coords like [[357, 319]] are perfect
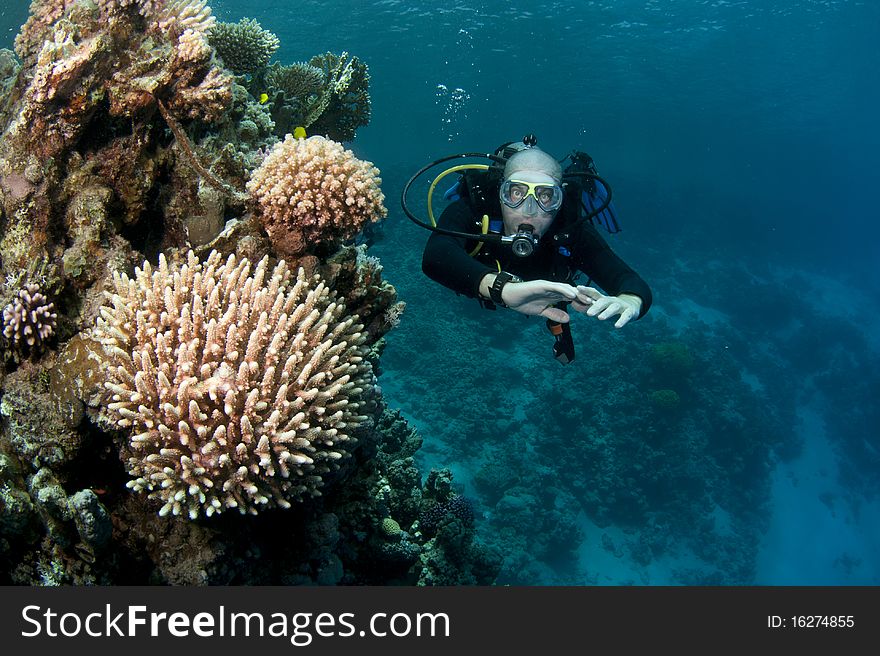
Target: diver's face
[[529, 212]]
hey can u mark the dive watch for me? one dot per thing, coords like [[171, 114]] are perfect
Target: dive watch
[[501, 279]]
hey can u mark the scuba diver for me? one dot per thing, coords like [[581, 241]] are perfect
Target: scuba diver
[[520, 230]]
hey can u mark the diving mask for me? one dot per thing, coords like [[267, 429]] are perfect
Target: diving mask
[[547, 196]]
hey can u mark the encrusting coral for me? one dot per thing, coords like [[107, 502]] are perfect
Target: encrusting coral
[[129, 52], [8, 71], [312, 193], [241, 389]]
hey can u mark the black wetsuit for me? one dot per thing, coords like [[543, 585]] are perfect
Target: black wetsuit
[[446, 258]]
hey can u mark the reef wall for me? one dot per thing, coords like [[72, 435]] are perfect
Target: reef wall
[[193, 323]]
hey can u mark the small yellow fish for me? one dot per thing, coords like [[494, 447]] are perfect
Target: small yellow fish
[[264, 97], [299, 132]]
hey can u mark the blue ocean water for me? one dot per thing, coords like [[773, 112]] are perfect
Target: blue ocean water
[[740, 139]]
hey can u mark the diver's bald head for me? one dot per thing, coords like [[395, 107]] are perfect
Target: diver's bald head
[[533, 159]]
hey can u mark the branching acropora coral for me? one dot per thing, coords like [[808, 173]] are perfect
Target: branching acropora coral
[[241, 389], [312, 192]]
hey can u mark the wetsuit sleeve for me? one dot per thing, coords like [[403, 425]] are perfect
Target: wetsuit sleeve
[[446, 258], [594, 256]]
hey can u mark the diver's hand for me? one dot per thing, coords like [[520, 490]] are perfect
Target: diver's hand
[[592, 302], [537, 298]]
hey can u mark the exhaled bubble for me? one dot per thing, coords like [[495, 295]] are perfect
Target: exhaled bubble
[[452, 104]]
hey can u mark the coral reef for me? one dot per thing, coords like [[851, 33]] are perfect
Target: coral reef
[[665, 399], [9, 68], [215, 376], [451, 556], [671, 362], [81, 116], [362, 532], [18, 515], [560, 461], [71, 54], [366, 293], [457, 507], [243, 47], [312, 194], [38, 432], [241, 389]]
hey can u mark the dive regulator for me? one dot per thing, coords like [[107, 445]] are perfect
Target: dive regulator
[[522, 243]]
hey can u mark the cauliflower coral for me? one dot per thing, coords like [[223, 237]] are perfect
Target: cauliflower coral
[[312, 194]]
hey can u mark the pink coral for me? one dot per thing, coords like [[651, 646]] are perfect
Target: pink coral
[[313, 193]]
